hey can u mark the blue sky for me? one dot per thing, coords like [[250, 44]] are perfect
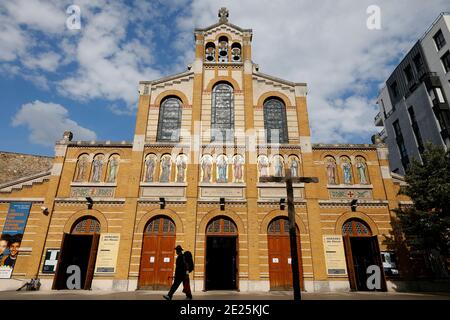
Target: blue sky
[[53, 78]]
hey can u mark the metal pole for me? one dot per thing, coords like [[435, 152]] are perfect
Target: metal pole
[[293, 237]]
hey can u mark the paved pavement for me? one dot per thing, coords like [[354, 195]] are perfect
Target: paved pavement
[[215, 295]]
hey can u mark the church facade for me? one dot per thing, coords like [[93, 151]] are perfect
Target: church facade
[[191, 177]]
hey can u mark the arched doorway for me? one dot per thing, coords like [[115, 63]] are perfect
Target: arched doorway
[[279, 247], [221, 263], [157, 256], [361, 251], [79, 249]]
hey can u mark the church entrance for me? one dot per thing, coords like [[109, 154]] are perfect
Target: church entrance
[[157, 257], [221, 265], [361, 251], [78, 250], [279, 247]]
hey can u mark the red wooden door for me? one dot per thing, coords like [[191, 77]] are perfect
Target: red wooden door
[[91, 263], [157, 257], [280, 269]]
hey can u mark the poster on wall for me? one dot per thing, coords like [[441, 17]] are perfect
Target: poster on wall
[[11, 237], [334, 255], [108, 250], [51, 260]]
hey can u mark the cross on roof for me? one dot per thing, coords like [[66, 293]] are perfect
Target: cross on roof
[[223, 15]]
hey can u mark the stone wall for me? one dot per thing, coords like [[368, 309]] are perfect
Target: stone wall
[[17, 165]]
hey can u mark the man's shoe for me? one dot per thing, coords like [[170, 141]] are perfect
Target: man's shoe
[[167, 297], [188, 298]]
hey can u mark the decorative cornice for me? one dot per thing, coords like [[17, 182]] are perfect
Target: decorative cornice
[[96, 201], [279, 146], [220, 24], [274, 203], [34, 200], [25, 181], [347, 203], [155, 201], [166, 145], [323, 146], [168, 78], [228, 202], [101, 144]]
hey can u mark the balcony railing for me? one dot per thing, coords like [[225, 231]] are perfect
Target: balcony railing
[[378, 120], [383, 135]]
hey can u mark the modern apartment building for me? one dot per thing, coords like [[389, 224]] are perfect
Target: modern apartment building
[[414, 103]]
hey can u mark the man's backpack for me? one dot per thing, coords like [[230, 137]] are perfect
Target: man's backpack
[[189, 261]]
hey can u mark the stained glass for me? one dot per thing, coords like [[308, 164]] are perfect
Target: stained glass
[[169, 120], [275, 121], [355, 228], [222, 113]]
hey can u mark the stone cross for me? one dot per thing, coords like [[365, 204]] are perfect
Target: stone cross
[[223, 15]]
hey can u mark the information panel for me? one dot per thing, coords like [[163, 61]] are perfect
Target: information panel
[[334, 255], [108, 250]]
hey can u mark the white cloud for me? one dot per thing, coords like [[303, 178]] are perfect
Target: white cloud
[[109, 64], [324, 43], [48, 61], [327, 44], [47, 122], [45, 16]]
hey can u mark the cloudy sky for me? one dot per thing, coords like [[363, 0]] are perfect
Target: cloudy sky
[[54, 79]]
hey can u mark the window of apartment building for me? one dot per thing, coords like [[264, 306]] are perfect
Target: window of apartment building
[[416, 130], [439, 94], [439, 40], [401, 144], [418, 62], [446, 61], [408, 73], [394, 89]]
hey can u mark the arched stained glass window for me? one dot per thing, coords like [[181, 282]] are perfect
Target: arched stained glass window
[[160, 225], [86, 225], [280, 226], [356, 228], [222, 113], [275, 122], [169, 120], [221, 225]]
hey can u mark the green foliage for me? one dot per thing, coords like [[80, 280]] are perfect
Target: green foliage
[[428, 220]]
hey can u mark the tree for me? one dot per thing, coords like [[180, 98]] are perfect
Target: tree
[[427, 221]]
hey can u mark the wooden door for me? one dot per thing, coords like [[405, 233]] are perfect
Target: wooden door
[[59, 279], [91, 263], [377, 259], [279, 247], [350, 264], [157, 257]]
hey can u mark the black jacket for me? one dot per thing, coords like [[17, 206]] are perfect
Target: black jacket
[[180, 267]]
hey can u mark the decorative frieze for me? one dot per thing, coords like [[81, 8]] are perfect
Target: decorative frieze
[[216, 191], [163, 191], [350, 193], [101, 192], [278, 191]]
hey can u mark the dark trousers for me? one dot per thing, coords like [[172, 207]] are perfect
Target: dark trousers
[[176, 283], [187, 287]]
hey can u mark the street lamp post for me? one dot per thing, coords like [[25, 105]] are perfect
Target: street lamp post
[[288, 179]]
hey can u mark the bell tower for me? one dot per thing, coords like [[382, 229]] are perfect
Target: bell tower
[[223, 42]]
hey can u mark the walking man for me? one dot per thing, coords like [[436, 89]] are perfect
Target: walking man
[[181, 272]]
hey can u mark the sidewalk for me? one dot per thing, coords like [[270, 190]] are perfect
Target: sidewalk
[[215, 295]]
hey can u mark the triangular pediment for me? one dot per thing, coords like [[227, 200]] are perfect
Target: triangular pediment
[[223, 26]]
